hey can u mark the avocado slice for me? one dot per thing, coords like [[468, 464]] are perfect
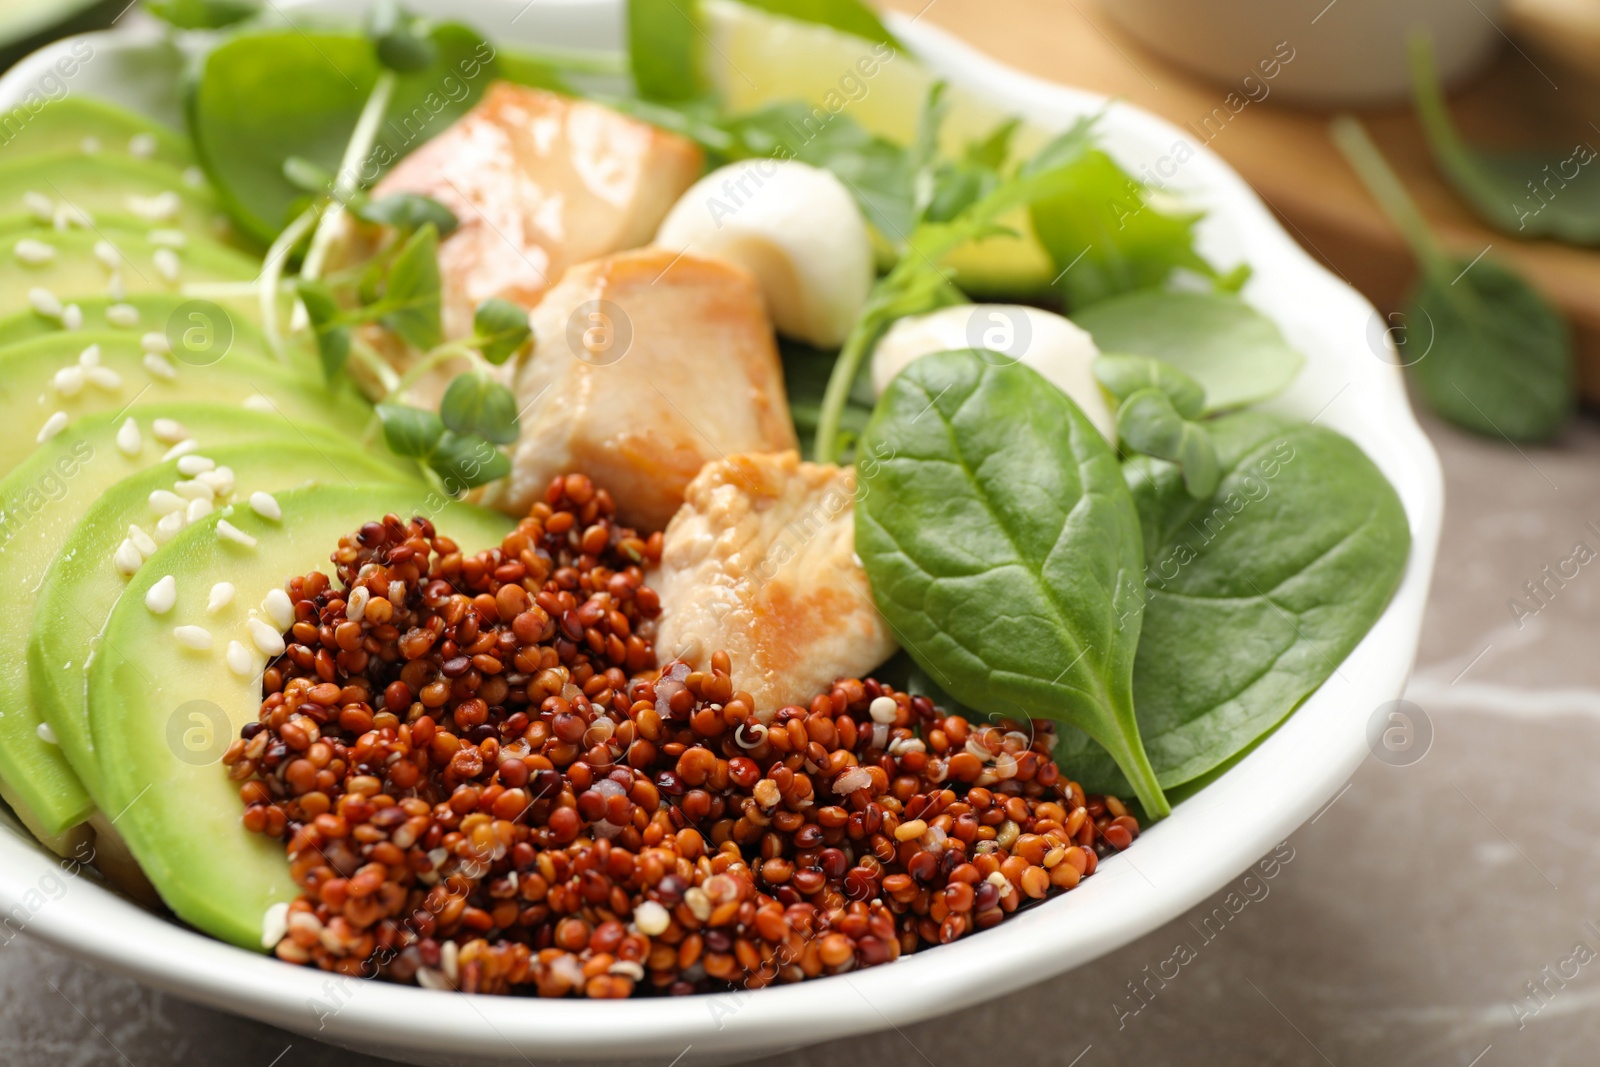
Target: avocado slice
[[42, 500], [83, 124], [80, 584], [120, 191], [172, 799], [151, 311], [29, 397]]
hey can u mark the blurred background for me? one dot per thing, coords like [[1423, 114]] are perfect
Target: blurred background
[[1443, 908]]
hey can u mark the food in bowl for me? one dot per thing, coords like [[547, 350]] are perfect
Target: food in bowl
[[634, 720]]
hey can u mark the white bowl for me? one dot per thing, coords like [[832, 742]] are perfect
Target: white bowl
[[1208, 840]]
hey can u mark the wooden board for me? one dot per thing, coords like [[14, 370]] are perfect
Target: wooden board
[[1531, 97]]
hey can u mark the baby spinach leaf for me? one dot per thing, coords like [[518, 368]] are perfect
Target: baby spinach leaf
[[410, 431], [500, 328], [1496, 358], [477, 404], [664, 42], [466, 461], [411, 303], [202, 14], [1003, 547], [1148, 422], [1254, 595], [1520, 193], [401, 38], [1238, 355], [331, 333], [1123, 375]]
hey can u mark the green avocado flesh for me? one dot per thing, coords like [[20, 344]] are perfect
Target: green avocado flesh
[[162, 715], [42, 500], [75, 270], [155, 310], [124, 192], [29, 397], [80, 124]]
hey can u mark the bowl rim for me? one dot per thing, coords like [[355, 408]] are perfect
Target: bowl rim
[[1209, 840]]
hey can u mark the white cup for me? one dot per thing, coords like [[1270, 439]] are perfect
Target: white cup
[[1347, 52]]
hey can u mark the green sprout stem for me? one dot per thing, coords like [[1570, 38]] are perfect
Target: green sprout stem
[[1363, 155], [347, 179]]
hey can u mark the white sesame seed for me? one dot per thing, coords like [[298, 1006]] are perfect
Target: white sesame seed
[[170, 526], [169, 238], [89, 357], [104, 378], [240, 661], [220, 480], [39, 205], [68, 381], [194, 176], [47, 735], [142, 145], [279, 608], [265, 637], [182, 448], [194, 638], [190, 489], [194, 464], [155, 341], [142, 541], [257, 402], [168, 431], [44, 302], [163, 207], [115, 288], [127, 558], [162, 596], [229, 532], [129, 440], [70, 215], [197, 510], [164, 502], [52, 426], [90, 144], [275, 922], [356, 607], [167, 263], [221, 596], [72, 317], [651, 918], [123, 316], [107, 254], [159, 366], [33, 252], [883, 709], [266, 505]]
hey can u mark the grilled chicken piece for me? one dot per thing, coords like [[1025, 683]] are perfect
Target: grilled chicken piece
[[538, 182], [648, 365], [760, 562]]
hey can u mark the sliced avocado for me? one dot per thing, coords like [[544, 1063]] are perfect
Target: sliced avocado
[[152, 311], [69, 265], [30, 398], [81, 584], [119, 191], [81, 124], [162, 715]]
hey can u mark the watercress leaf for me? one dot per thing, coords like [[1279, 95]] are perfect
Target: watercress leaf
[[1148, 422], [411, 301], [1236, 354], [1520, 193], [477, 404], [1003, 547], [202, 14], [408, 212], [1498, 359], [1254, 595], [501, 329], [1122, 375], [664, 42], [466, 461], [410, 431], [401, 40], [332, 335], [993, 150]]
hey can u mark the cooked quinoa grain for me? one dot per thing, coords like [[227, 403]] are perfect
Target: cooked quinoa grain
[[484, 782]]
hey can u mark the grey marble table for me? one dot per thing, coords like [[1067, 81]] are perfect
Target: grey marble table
[[1435, 913]]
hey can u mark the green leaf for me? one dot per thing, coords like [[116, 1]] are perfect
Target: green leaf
[[664, 42], [332, 335], [306, 175], [466, 461], [202, 14], [847, 16], [410, 431], [1148, 422], [1236, 354], [1003, 547], [408, 212], [1254, 596], [401, 39], [1123, 375], [411, 302], [477, 404], [500, 328], [1520, 193]]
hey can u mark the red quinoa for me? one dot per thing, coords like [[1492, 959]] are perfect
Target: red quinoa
[[484, 783]]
